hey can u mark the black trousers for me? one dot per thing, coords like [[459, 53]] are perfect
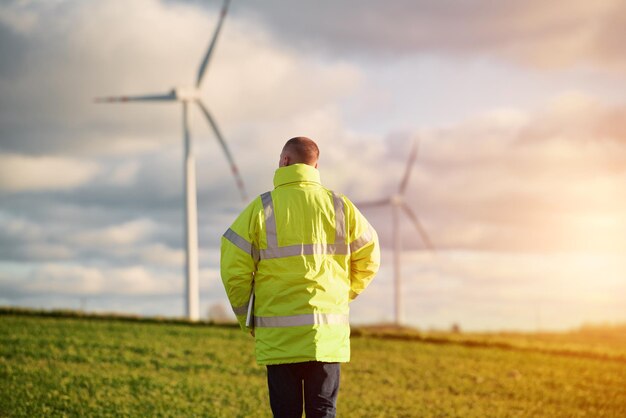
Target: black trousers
[[314, 382]]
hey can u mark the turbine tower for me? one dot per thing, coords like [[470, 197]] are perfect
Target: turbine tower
[[185, 96], [398, 204]]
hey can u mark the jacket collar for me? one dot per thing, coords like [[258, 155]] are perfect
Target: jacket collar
[[296, 173]]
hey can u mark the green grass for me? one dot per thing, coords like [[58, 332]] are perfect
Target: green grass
[[600, 341], [77, 367]]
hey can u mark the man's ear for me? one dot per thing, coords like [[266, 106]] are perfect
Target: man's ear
[[315, 165]]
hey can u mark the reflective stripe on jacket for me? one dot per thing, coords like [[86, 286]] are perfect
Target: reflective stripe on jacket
[[309, 252]]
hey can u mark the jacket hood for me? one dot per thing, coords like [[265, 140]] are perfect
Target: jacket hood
[[296, 173]]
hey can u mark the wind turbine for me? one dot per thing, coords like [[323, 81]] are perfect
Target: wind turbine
[[186, 96], [398, 204]]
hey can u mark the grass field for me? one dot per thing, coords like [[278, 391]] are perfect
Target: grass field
[[80, 367]]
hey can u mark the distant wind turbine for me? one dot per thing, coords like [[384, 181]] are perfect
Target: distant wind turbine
[[397, 203], [185, 96]]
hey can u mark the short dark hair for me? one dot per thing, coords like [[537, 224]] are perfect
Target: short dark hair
[[303, 149]]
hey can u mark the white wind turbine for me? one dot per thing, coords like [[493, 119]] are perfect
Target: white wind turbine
[[397, 203], [186, 96]]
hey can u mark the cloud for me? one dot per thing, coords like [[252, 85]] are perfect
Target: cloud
[[258, 103], [128, 233], [481, 290], [27, 173], [124, 174], [161, 255], [535, 33], [54, 278], [575, 116], [63, 67], [97, 211], [18, 17], [512, 181]]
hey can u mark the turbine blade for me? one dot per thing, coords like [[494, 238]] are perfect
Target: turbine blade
[[207, 56], [419, 227], [171, 96], [409, 167], [186, 124], [229, 157], [373, 203]]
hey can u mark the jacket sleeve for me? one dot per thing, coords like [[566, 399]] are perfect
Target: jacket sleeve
[[239, 259], [364, 251]]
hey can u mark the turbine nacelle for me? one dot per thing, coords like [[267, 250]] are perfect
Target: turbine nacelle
[[185, 94], [396, 199]]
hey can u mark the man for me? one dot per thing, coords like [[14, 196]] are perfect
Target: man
[[305, 252]]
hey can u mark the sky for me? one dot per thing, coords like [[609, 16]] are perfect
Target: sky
[[518, 107]]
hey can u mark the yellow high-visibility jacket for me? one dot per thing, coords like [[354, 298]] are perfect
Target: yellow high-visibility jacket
[[309, 252]]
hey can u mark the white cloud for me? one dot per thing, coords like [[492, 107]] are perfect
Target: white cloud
[[124, 174], [50, 251], [251, 80], [19, 16], [18, 227], [27, 173], [528, 182], [494, 291], [128, 233], [554, 34], [502, 181], [56, 278], [158, 254]]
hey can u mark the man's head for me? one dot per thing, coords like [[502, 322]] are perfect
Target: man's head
[[299, 150]]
